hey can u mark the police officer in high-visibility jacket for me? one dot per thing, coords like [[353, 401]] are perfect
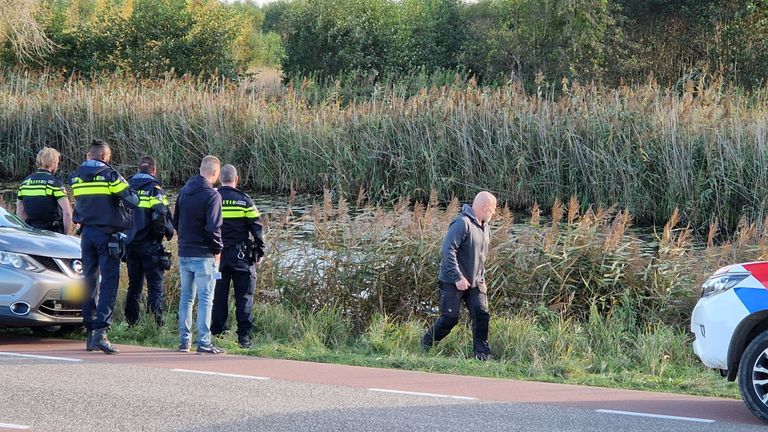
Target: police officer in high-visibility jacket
[[42, 199], [103, 207], [145, 255], [241, 219]]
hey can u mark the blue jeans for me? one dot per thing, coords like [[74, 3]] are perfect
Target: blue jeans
[[196, 277]]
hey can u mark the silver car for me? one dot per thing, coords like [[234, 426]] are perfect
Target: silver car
[[41, 283]]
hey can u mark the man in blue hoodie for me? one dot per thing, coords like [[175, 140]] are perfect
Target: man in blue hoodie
[[145, 255], [197, 219], [462, 275], [103, 208]]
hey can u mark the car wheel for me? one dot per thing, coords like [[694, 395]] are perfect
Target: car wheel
[[753, 376]]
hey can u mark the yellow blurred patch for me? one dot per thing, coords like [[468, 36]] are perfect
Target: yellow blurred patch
[[75, 291]]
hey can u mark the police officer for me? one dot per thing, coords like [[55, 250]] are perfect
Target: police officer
[[145, 255], [241, 219], [42, 200], [103, 207]]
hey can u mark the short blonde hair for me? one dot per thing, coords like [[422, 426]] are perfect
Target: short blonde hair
[[47, 158], [211, 165]]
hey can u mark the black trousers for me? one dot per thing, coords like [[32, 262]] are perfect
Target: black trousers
[[143, 263], [240, 272], [450, 303], [98, 307]]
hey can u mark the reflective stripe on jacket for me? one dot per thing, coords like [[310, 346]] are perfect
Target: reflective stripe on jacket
[[102, 197], [40, 192], [241, 217]]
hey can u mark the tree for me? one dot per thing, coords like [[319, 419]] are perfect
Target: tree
[[276, 17], [433, 33], [254, 45], [488, 52], [561, 38], [330, 37], [146, 38], [210, 42], [676, 39]]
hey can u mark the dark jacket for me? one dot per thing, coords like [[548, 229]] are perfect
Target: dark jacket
[[197, 219], [464, 250], [40, 193], [102, 197], [241, 218], [152, 220]]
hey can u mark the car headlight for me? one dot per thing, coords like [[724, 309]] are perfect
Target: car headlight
[[719, 283], [19, 262]]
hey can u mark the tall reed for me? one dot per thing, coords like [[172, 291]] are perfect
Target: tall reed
[[647, 149], [586, 266]]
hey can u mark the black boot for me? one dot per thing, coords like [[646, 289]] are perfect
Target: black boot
[[101, 342], [89, 346], [427, 341], [244, 341]]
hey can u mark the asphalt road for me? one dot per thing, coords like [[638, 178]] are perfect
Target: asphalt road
[[49, 385]]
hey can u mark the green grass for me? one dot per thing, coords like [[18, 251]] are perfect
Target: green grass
[[578, 299], [526, 348]]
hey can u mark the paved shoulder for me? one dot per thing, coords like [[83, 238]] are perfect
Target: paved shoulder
[[293, 392]]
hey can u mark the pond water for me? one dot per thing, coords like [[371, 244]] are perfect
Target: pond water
[[292, 211], [270, 205]]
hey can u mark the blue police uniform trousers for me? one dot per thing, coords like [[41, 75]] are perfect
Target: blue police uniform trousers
[[100, 302], [143, 262], [240, 272]]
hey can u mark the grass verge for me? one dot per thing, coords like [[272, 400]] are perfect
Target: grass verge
[[534, 348]]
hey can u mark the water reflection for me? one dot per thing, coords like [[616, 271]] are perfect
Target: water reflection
[[270, 206], [292, 217], [294, 213]]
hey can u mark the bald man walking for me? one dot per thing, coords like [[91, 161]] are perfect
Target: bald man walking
[[462, 275]]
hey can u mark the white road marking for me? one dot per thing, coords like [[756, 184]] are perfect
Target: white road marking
[[40, 357], [668, 417], [421, 394], [13, 426], [220, 374]]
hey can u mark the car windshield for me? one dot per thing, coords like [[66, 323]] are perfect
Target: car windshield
[[8, 219]]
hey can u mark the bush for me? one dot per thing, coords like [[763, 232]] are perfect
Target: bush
[[146, 38], [329, 37]]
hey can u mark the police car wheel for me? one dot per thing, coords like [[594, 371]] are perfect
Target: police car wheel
[[753, 376]]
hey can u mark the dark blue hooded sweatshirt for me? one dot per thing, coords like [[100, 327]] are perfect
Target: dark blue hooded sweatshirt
[[197, 219]]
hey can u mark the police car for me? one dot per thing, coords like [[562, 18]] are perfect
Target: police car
[[730, 323], [41, 282]]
